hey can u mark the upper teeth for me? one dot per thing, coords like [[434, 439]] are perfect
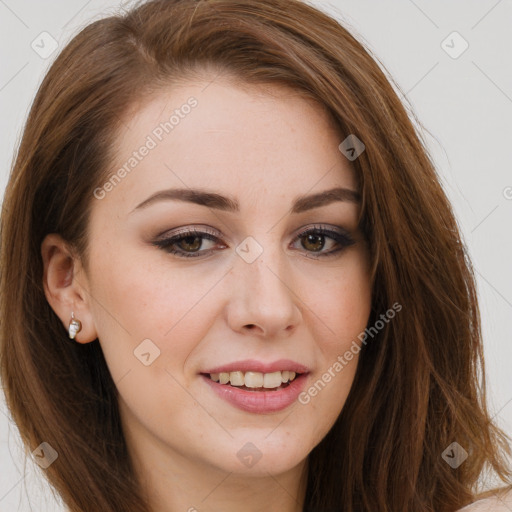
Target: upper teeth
[[253, 379]]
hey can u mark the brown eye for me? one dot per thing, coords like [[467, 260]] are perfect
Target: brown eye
[[190, 243], [186, 244], [313, 240], [314, 243]]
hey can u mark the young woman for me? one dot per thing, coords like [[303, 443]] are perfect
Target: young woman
[[232, 281]]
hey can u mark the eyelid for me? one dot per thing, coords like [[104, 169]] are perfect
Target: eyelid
[[324, 229], [193, 228], [202, 229]]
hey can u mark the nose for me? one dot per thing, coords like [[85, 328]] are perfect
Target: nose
[[263, 298]]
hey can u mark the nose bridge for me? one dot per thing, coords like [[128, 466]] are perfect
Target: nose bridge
[[263, 289]]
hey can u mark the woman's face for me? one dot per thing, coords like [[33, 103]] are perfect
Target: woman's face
[[245, 291]]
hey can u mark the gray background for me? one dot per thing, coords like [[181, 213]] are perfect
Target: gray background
[[463, 103]]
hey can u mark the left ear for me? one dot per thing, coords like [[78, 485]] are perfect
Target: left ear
[[65, 286]]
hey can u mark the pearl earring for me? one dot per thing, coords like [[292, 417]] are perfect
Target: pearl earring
[[75, 326]]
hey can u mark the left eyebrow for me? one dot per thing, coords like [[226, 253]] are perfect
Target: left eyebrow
[[304, 203], [230, 204]]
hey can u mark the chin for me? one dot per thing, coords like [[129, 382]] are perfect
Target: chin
[[258, 456]]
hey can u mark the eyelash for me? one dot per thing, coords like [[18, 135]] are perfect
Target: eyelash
[[342, 239]]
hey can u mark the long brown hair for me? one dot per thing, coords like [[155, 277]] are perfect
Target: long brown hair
[[420, 383]]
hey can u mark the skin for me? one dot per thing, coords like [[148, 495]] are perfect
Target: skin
[[264, 146]]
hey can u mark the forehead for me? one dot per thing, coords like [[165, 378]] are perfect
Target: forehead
[[243, 139]]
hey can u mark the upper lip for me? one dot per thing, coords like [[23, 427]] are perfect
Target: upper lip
[[252, 365]]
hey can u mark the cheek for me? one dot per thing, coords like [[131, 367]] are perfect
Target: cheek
[[148, 324], [139, 300], [344, 309], [340, 306], [351, 307]]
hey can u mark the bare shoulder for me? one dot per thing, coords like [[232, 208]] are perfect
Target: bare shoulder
[[498, 503]]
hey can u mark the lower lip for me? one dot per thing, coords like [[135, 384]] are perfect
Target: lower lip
[[259, 401]]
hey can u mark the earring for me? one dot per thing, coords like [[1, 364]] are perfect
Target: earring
[[75, 326]]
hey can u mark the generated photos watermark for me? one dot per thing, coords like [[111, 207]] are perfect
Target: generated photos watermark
[[152, 140], [343, 360]]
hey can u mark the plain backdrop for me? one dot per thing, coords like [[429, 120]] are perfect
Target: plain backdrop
[[460, 87]]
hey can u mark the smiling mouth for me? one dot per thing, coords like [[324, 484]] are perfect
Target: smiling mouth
[[254, 381]]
